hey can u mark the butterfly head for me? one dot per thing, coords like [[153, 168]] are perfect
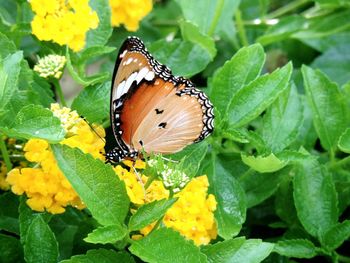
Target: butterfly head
[[117, 154]]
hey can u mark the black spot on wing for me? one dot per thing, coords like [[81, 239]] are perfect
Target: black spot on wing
[[159, 111], [162, 125]]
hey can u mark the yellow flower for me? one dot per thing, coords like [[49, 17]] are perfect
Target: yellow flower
[[193, 213], [3, 171], [45, 185], [129, 13], [63, 21]]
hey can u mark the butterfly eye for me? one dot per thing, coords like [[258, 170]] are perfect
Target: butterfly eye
[[151, 109]]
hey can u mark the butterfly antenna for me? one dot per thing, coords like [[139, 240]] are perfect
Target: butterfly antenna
[[93, 129]]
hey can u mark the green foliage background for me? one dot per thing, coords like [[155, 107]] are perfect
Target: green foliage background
[[278, 74]]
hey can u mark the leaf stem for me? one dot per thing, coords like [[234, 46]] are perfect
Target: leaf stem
[[287, 8], [59, 91], [240, 27], [218, 11], [5, 154]]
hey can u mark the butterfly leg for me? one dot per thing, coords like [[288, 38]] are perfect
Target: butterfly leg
[[139, 178]]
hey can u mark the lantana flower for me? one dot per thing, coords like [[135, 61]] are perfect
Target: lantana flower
[[64, 22], [44, 184], [193, 213], [129, 13], [50, 66]]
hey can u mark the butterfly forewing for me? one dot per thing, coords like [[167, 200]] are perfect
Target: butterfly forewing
[[151, 109]]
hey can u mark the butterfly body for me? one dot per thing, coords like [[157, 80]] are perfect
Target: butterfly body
[[151, 109]]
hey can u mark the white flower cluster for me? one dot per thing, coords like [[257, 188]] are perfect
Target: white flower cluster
[[174, 179], [69, 119], [50, 66]]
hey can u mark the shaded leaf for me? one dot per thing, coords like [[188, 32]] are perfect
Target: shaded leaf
[[184, 58], [336, 235], [296, 248], [11, 250], [9, 213], [344, 141], [93, 102], [40, 243], [102, 256]]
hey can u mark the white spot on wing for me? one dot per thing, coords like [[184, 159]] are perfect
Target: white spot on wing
[[128, 61], [141, 74], [149, 76], [120, 89], [129, 81], [123, 54]]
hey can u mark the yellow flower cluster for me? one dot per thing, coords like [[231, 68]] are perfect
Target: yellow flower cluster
[[129, 13], [45, 185], [63, 21], [193, 213], [3, 171]]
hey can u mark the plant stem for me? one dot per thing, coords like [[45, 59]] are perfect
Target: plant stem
[[59, 92], [240, 27], [5, 154], [287, 8], [341, 162], [218, 11], [343, 258]]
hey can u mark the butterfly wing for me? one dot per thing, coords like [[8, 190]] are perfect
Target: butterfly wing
[[153, 110]]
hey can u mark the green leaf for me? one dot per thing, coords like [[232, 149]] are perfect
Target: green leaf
[[149, 213], [191, 33], [284, 205], [166, 245], [250, 101], [93, 102], [100, 35], [296, 248], [184, 58], [241, 69], [238, 250], [344, 141], [9, 213], [335, 62], [107, 234], [40, 243], [315, 197], [6, 46], [217, 18], [332, 3], [193, 154], [276, 131], [11, 250], [336, 235], [96, 184], [9, 73], [328, 106], [259, 187], [322, 26], [268, 164], [101, 256], [93, 52], [230, 213], [34, 121], [285, 27]]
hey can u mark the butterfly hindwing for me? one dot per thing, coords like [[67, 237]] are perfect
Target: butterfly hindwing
[[153, 110]]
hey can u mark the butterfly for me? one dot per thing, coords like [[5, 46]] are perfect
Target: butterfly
[[151, 110]]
